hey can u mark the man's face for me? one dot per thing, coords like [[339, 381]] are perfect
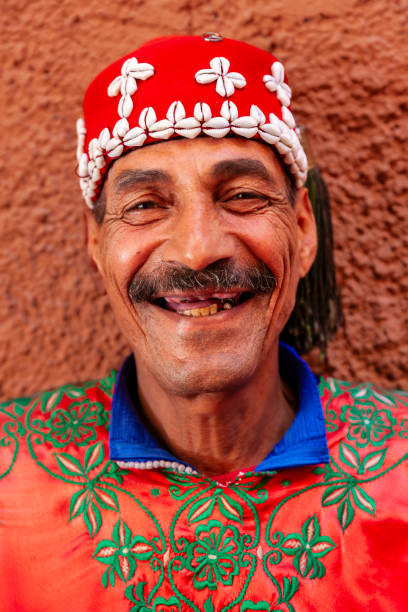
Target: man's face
[[176, 208]]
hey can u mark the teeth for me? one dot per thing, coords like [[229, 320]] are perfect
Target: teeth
[[205, 312]]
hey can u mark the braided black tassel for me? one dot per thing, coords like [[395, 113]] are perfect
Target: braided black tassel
[[317, 313]]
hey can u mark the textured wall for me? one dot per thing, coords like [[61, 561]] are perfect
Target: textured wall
[[348, 65]]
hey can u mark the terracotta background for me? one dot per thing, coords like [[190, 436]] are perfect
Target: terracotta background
[[347, 62]]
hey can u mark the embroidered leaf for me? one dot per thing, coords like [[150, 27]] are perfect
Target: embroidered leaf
[[106, 499], [121, 533], [201, 510], [363, 500], [303, 563], [141, 548], [249, 606], [373, 461], [319, 471], [93, 519], [230, 508], [69, 465], [105, 577], [105, 554], [334, 494], [111, 577], [125, 567], [345, 513], [290, 586], [322, 547], [349, 455], [50, 400], [93, 456], [311, 528], [292, 544], [208, 606], [78, 503], [389, 401]]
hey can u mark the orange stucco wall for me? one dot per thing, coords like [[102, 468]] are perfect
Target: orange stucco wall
[[347, 62]]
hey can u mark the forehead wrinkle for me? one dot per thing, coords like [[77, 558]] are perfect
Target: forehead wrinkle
[[244, 166], [136, 178]]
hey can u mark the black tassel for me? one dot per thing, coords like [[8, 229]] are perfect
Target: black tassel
[[317, 313]]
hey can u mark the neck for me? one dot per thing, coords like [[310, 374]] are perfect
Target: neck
[[217, 433]]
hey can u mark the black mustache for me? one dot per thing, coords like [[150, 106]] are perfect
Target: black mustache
[[221, 276]]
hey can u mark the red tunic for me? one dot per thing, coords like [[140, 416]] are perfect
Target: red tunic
[[79, 533]]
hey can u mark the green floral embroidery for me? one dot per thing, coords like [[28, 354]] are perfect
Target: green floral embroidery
[[344, 488], [76, 423], [159, 604], [368, 424], [51, 399], [121, 553], [307, 549], [285, 594], [213, 556], [94, 492], [207, 543], [107, 383]]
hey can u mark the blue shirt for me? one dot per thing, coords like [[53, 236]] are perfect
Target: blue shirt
[[304, 443]]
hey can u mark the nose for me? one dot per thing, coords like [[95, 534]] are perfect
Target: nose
[[199, 236]]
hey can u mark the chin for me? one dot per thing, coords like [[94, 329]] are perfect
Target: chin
[[197, 377]]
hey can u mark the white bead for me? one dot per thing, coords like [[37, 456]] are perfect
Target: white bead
[[257, 114], [244, 132], [202, 112], [229, 111], [176, 112], [147, 118], [125, 106]]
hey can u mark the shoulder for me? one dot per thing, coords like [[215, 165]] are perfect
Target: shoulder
[[363, 403], [73, 415], [367, 429]]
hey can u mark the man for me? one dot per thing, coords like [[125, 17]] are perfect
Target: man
[[214, 490]]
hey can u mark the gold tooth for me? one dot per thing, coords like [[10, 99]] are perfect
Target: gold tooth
[[227, 306], [213, 309], [205, 311], [195, 312]]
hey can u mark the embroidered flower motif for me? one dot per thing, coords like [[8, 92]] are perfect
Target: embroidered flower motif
[[126, 83], [121, 553], [218, 71], [94, 492], [368, 425], [213, 556], [308, 548], [76, 423], [275, 82]]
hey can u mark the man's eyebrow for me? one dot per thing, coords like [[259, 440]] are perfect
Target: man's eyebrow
[[242, 166], [132, 178]]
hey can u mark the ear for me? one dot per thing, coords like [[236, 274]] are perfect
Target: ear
[[307, 234], [92, 239]]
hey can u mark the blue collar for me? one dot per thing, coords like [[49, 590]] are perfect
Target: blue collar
[[304, 443]]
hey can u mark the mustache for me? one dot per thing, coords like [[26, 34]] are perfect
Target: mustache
[[221, 276]]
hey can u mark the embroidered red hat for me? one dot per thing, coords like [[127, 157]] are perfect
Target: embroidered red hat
[[185, 86]]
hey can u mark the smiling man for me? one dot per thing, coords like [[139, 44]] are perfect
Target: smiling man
[[218, 486]]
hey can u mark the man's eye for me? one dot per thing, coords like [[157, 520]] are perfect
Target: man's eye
[[246, 195], [146, 205]]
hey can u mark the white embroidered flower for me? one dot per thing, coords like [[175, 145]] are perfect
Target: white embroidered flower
[[126, 83], [276, 83], [218, 71]]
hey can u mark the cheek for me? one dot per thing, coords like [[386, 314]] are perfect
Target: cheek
[[125, 253], [273, 240]]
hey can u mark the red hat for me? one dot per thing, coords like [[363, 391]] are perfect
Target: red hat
[[185, 86]]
